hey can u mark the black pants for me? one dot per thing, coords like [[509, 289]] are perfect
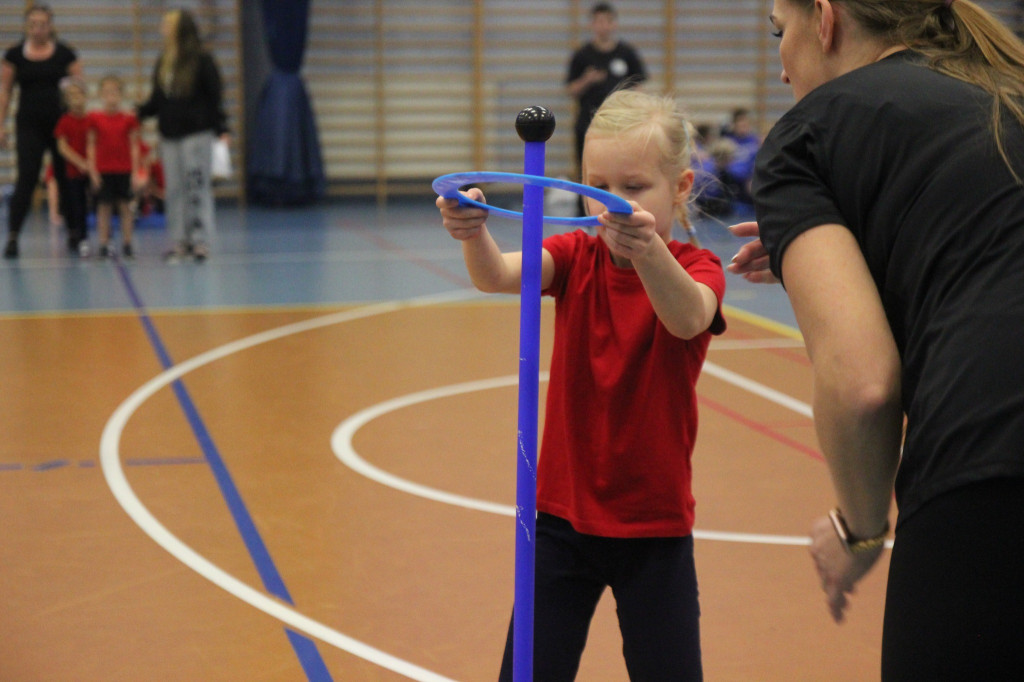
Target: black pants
[[76, 209], [954, 608], [654, 582], [34, 137]]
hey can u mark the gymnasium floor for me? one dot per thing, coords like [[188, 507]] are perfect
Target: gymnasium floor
[[296, 462]]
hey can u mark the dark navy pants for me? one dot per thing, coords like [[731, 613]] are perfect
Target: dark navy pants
[[654, 583]]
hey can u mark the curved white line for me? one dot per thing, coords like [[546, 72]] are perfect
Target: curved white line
[[341, 444], [110, 462], [757, 388]]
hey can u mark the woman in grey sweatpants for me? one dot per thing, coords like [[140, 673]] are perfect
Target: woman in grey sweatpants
[[186, 98]]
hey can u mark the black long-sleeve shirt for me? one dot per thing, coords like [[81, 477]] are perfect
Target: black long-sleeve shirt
[[178, 117]]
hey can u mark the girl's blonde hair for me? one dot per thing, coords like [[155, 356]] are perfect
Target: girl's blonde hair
[[656, 119], [115, 79], [960, 39], [69, 82]]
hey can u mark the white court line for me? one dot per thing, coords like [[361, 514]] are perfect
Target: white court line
[[110, 461], [751, 386], [341, 444], [113, 472], [754, 344]]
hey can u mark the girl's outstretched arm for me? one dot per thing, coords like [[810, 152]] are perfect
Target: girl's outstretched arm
[[490, 270], [683, 305]]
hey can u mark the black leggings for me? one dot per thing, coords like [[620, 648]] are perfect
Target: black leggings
[[34, 137], [954, 609], [654, 582], [76, 208]]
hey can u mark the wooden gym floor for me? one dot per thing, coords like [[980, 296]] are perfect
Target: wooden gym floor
[[296, 462]]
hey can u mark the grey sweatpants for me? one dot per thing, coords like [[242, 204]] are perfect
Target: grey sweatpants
[[188, 191]]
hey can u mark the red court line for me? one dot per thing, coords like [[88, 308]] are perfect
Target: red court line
[[761, 428], [390, 246]]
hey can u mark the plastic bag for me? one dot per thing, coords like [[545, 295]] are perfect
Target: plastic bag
[[222, 169]]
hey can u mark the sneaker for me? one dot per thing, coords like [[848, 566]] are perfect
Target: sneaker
[[83, 248], [200, 253], [11, 250], [175, 255], [127, 252], [104, 251]]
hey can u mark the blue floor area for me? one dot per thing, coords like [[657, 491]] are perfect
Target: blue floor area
[[339, 252]]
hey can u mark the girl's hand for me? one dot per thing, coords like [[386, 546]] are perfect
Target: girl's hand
[[628, 236], [140, 179], [463, 222], [751, 261]]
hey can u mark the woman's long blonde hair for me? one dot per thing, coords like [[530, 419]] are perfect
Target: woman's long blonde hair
[[960, 39], [654, 119], [179, 61]]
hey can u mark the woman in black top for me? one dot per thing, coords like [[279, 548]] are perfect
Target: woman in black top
[[890, 202], [186, 99], [37, 64]]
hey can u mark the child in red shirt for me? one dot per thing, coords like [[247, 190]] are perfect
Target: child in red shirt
[[72, 133], [149, 181], [634, 314], [113, 148]]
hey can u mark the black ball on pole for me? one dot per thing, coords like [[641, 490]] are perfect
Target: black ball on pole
[[535, 124]]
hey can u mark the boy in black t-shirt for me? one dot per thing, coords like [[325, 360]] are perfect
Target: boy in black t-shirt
[[599, 67]]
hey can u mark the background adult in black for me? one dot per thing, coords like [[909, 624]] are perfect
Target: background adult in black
[[599, 67], [890, 199], [36, 64]]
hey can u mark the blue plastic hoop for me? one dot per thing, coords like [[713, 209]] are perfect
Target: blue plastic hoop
[[448, 186]]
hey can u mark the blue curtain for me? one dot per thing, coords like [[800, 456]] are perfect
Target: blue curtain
[[285, 166]]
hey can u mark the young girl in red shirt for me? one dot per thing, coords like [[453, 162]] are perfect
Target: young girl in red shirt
[[634, 314], [72, 133], [113, 148]]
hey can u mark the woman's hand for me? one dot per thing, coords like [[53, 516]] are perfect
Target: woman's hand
[[463, 222], [751, 261], [838, 569]]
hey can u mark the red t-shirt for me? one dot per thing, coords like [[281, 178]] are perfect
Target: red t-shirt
[[75, 131], [113, 140], [621, 416], [156, 169]]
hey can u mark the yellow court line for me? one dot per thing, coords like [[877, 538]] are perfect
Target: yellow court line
[[761, 321]]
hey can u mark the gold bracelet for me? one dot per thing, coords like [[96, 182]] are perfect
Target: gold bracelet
[[852, 544]]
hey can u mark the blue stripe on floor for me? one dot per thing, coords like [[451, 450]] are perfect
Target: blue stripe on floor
[[306, 650]]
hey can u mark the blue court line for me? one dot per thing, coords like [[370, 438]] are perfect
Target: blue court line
[[306, 650], [54, 464], [91, 464], [164, 461]]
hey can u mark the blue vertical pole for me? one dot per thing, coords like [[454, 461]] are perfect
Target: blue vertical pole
[[534, 125]]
